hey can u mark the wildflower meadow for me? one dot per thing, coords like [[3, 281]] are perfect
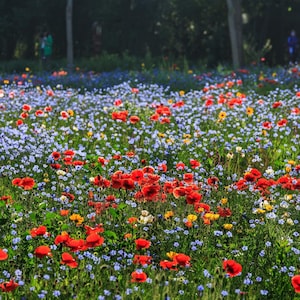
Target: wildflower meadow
[[136, 189]]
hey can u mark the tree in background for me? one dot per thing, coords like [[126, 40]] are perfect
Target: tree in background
[[69, 34]]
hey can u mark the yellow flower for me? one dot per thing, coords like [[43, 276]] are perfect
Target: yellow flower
[[171, 254], [191, 218], [288, 169], [89, 133], [170, 101], [187, 141], [249, 111], [102, 135], [181, 93], [170, 141], [169, 214], [70, 112], [222, 115], [78, 219], [288, 197], [291, 162], [212, 216], [224, 201], [186, 135], [228, 226], [5, 81], [160, 134], [27, 69], [259, 211], [268, 207], [190, 71]]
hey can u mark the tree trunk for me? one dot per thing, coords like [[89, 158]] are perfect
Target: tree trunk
[[235, 31], [69, 33]]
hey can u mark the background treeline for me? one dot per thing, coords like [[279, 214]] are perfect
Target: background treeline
[[194, 29]]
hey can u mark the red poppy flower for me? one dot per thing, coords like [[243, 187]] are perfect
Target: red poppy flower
[[150, 191], [142, 259], [180, 166], [75, 245], [163, 167], [282, 122], [62, 238], [41, 230], [277, 104], [27, 183], [213, 181], [26, 107], [188, 177], [224, 212], [142, 244], [193, 198], [69, 153], [6, 199], [89, 230], [169, 265], [138, 276], [267, 125], [94, 240], [201, 207], [232, 268], [128, 184], [42, 251], [134, 119], [179, 192], [19, 122], [249, 177], [3, 255], [182, 259], [118, 102], [194, 163], [148, 169], [154, 117], [39, 113], [55, 155], [67, 259], [24, 115], [296, 283], [64, 115], [8, 286], [137, 175]]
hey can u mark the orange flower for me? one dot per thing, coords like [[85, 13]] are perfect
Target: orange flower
[[127, 236], [64, 212], [42, 251]]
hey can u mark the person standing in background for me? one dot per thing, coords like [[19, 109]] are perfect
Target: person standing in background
[[293, 47], [96, 38], [48, 48]]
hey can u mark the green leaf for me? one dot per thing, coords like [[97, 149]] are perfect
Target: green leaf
[[110, 234]]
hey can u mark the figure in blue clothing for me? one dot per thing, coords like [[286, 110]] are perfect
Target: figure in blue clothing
[[293, 47]]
